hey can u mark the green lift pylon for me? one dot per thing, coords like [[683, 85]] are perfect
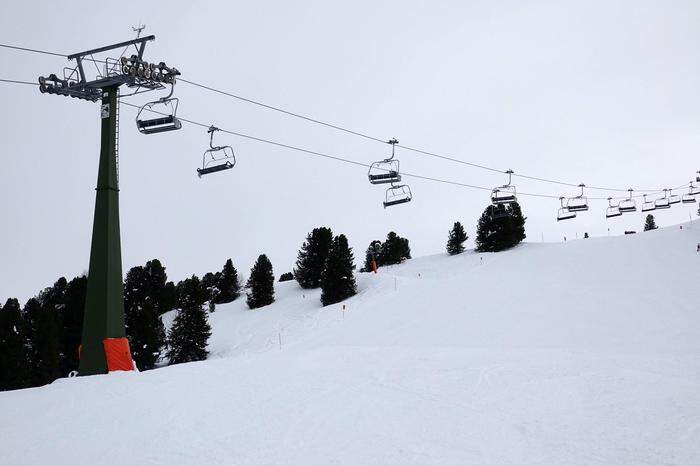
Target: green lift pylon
[[104, 304]]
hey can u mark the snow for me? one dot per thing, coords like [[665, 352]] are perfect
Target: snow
[[582, 353]]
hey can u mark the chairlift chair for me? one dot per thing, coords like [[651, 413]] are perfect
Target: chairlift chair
[[397, 194], [504, 194], [564, 213], [662, 202], [613, 210], [627, 205], [578, 203], [693, 190], [385, 171], [166, 109], [648, 205], [689, 197], [216, 158], [673, 198], [499, 211]]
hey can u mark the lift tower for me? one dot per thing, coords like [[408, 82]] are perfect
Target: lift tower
[[104, 304]]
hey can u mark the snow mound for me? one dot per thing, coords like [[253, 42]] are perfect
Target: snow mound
[[578, 353]]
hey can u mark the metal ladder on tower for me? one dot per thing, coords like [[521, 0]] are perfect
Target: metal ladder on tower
[[116, 137]]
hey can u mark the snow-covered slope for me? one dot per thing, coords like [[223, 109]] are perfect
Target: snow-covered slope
[[580, 353]]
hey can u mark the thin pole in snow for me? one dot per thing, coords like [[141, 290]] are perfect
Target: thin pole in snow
[[279, 335], [396, 285]]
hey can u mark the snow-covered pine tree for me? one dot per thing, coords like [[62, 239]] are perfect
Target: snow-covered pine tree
[[188, 337], [650, 223], [497, 234], [286, 277], [14, 360], [143, 288], [228, 286], [312, 257], [261, 284], [456, 239], [394, 250], [338, 280], [210, 283]]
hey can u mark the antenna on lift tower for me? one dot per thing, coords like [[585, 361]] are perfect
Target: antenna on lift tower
[[138, 29]]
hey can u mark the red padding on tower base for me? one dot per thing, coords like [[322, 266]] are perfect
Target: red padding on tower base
[[118, 354]]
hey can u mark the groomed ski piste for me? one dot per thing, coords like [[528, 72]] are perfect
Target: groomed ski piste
[[579, 353]]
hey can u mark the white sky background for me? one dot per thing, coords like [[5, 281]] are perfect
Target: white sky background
[[601, 92]]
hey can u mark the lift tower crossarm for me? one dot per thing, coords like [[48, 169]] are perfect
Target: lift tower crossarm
[[141, 41]]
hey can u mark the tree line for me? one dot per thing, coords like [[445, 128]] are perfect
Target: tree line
[[40, 341]]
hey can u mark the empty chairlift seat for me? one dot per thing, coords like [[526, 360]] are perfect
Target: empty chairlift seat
[[384, 171], [564, 213], [662, 202], [216, 158], [627, 205], [613, 210], [577, 203], [396, 195], [673, 198], [160, 116], [387, 170], [648, 206], [505, 194], [158, 125]]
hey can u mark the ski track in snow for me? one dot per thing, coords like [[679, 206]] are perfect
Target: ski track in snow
[[583, 353]]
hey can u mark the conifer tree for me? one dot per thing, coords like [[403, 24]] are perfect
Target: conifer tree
[[44, 340], [188, 337], [497, 233], [168, 299], [228, 287], [650, 223], [394, 250], [261, 284], [143, 289], [209, 286], [456, 239], [14, 360], [72, 323], [286, 276], [374, 253], [312, 257], [338, 280]]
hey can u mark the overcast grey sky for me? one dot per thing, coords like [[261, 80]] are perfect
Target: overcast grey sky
[[600, 92]]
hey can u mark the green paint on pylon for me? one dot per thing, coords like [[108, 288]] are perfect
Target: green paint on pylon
[[104, 303]]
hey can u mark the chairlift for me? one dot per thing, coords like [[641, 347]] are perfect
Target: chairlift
[[499, 211], [397, 194], [577, 203], [648, 205], [662, 202], [564, 213], [689, 197], [673, 198], [387, 170], [504, 194], [693, 190], [216, 158], [613, 210], [627, 205], [166, 109]]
